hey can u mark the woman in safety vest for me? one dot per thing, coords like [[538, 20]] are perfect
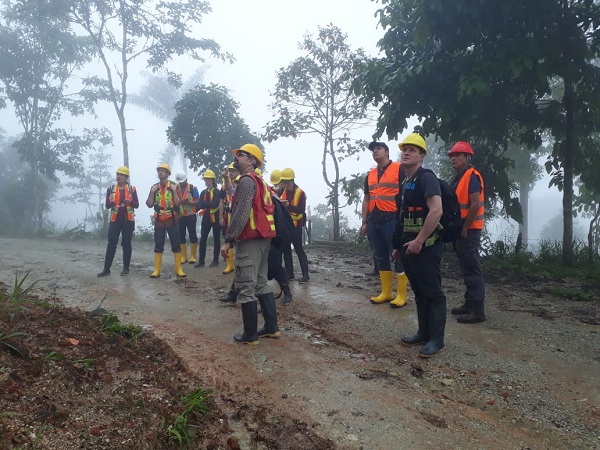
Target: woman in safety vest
[[121, 199], [210, 201]]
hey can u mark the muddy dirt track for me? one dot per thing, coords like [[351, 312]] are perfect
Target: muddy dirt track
[[529, 377]]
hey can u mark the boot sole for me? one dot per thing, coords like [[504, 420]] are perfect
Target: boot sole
[[247, 342], [394, 305], [412, 344], [424, 355], [379, 302], [275, 335]]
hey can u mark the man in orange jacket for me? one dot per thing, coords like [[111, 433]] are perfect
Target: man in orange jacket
[[379, 212], [468, 184]]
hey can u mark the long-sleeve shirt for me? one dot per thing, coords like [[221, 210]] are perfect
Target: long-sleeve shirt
[[122, 209], [240, 214]]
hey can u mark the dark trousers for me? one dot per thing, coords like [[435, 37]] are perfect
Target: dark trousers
[[205, 228], [121, 226], [424, 274], [467, 250], [276, 270], [188, 223], [160, 233], [302, 258], [381, 236]]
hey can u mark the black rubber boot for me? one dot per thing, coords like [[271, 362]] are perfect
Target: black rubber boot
[[269, 312], [231, 297], [108, 260], [471, 317], [422, 335], [250, 320], [126, 261], [287, 295], [460, 310], [437, 327], [305, 278]]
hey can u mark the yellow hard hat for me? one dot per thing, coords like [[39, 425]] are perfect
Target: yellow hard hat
[[287, 174], [231, 166], [252, 150], [258, 172], [123, 171], [209, 174], [275, 176], [164, 166], [414, 139]]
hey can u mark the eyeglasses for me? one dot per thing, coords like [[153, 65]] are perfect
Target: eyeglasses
[[238, 154]]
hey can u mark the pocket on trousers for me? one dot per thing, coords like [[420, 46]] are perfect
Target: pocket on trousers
[[243, 267]]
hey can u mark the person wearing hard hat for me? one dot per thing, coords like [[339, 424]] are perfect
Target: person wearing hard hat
[[229, 174], [211, 199], [419, 246], [252, 227], [294, 200], [165, 199], [379, 212], [468, 184], [121, 199], [275, 179], [188, 218]]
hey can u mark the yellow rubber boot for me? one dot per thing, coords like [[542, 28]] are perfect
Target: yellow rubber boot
[[230, 265], [193, 253], [387, 281], [157, 264], [183, 248], [401, 287], [178, 270]]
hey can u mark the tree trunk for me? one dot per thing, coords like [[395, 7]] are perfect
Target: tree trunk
[[591, 246], [121, 115], [524, 189], [568, 148]]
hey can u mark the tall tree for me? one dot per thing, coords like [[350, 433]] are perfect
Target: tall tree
[[158, 96], [125, 30], [88, 188], [39, 55], [207, 126], [465, 72], [313, 96]]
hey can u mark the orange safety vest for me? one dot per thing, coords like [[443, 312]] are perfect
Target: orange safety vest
[[295, 201], [164, 199], [462, 192], [382, 191], [211, 195], [188, 210], [261, 223], [115, 197]]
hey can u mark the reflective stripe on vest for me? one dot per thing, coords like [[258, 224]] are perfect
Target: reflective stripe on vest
[[116, 199], [296, 218], [462, 192], [211, 196], [188, 210], [261, 223], [164, 198], [382, 191]]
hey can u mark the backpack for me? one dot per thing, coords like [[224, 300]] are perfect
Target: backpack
[[284, 225], [451, 223]]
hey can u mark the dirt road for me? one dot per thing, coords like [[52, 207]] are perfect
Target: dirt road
[[529, 377]]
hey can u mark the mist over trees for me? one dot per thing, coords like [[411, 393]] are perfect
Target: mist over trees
[[469, 76], [312, 96]]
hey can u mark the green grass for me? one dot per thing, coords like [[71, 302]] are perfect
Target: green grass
[[4, 342], [14, 302], [112, 326], [195, 403]]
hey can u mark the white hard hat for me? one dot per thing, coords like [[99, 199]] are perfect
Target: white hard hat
[[181, 176]]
